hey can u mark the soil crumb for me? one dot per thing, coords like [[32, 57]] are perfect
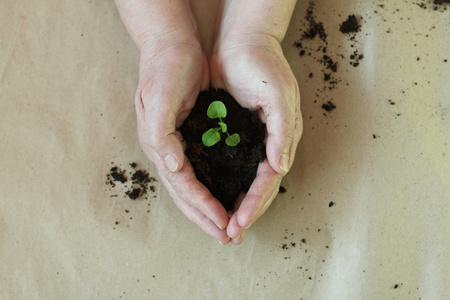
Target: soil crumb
[[350, 25], [117, 175], [329, 106]]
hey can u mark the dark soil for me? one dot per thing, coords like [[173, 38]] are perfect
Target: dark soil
[[355, 58], [329, 106], [116, 174], [350, 25], [140, 181], [436, 5], [315, 28], [313, 43], [225, 171]]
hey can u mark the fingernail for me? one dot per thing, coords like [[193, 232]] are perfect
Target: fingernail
[[239, 238], [284, 162], [225, 243], [171, 163], [219, 226]]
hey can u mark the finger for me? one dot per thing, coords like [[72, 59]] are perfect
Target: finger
[[186, 187], [284, 128], [202, 221], [259, 197], [234, 230], [239, 239]]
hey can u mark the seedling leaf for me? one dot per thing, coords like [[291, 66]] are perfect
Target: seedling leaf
[[216, 110], [223, 126], [211, 137], [233, 140]]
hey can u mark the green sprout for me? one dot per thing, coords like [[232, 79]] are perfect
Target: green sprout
[[217, 110]]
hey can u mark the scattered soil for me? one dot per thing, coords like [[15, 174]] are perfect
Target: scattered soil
[[315, 28], [355, 57], [282, 190], [308, 47], [225, 171], [437, 5], [350, 27], [140, 181], [313, 43]]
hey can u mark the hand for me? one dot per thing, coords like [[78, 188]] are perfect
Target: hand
[[255, 72], [173, 70]]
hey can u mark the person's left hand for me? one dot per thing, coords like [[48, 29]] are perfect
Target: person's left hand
[[256, 73]]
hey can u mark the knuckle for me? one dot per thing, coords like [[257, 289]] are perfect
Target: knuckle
[[138, 100], [142, 92], [145, 90], [170, 176]]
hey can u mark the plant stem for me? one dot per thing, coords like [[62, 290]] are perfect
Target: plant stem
[[223, 122]]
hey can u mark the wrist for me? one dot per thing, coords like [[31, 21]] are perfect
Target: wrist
[[154, 44], [255, 17], [260, 23], [152, 21]]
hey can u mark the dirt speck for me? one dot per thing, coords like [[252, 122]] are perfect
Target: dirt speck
[[329, 106]]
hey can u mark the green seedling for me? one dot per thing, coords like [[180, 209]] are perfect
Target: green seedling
[[217, 110]]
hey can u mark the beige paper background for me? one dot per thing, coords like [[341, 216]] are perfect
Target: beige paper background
[[68, 72]]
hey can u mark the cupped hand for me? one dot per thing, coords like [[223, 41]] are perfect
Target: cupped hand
[[255, 72], [173, 71]]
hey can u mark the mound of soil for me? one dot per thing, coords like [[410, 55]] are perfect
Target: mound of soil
[[225, 171]]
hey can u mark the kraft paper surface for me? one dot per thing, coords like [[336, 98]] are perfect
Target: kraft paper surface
[[365, 213]]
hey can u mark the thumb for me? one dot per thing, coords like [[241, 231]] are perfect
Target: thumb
[[165, 141], [167, 145], [161, 137], [172, 152]]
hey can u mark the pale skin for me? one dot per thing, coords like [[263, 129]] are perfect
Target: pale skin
[[248, 62]]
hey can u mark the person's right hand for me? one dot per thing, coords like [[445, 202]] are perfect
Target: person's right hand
[[173, 70]]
